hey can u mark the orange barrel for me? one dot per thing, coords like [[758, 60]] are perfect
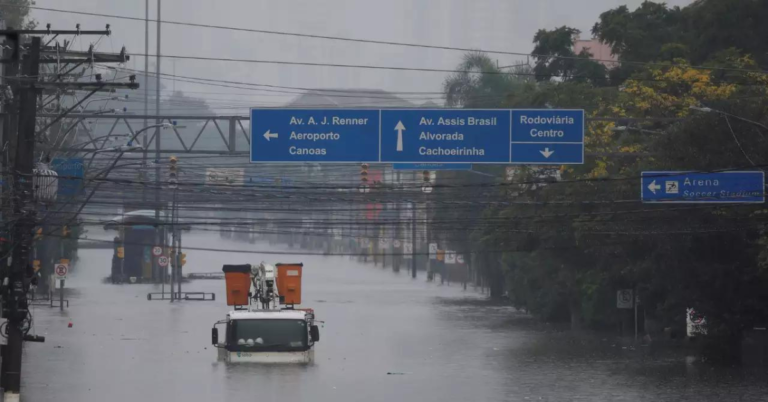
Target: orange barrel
[[238, 279], [289, 283]]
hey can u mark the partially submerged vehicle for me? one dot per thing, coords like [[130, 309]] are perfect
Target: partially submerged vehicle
[[267, 333]]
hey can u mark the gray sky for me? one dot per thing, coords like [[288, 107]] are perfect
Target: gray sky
[[507, 25]]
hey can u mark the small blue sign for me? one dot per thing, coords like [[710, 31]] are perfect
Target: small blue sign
[[432, 166], [547, 136], [314, 135], [445, 136], [71, 172], [691, 187]]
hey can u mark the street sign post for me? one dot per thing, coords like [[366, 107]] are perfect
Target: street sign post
[[450, 257], [157, 251], [432, 251], [418, 136], [162, 261], [624, 298], [692, 187], [60, 271]]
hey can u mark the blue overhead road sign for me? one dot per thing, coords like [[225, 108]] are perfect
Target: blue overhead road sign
[[314, 135], [542, 137], [687, 187], [445, 135], [70, 171], [548, 136]]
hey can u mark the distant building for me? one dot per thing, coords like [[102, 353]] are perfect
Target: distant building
[[599, 50]]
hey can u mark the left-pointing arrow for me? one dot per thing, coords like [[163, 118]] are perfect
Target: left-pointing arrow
[[269, 135], [653, 187]]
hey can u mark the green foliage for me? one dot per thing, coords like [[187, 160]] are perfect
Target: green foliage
[[568, 247], [639, 35], [553, 52]]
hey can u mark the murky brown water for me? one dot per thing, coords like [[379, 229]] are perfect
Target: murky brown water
[[447, 345]]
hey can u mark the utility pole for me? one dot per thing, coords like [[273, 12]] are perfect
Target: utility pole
[[396, 254], [24, 212], [160, 239], [413, 239], [144, 143]]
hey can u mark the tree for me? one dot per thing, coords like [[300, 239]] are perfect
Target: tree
[[639, 35], [481, 84], [553, 52], [16, 14]]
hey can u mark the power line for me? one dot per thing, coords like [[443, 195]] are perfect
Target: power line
[[371, 41]]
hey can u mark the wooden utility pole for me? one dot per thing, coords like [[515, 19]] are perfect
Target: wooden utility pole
[[23, 210]]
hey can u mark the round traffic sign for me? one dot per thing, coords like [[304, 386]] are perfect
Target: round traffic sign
[[157, 251], [61, 270], [162, 261], [695, 317]]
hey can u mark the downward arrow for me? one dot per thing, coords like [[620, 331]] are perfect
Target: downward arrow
[[547, 153], [269, 135], [653, 187], [399, 128]]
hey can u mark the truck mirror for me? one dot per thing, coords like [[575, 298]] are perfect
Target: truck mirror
[[215, 336], [314, 332]]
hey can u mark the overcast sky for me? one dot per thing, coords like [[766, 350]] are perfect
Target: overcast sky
[[506, 25]]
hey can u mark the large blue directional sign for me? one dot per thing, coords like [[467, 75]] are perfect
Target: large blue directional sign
[[692, 187], [314, 135], [432, 166], [415, 136], [549, 136], [469, 136]]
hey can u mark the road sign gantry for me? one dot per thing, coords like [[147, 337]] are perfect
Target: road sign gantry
[[499, 136]]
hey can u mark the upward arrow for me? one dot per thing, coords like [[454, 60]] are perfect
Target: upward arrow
[[399, 127]]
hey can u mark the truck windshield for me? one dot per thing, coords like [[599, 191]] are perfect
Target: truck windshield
[[269, 334]]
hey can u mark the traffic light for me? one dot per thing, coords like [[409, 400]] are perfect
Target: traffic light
[[364, 173], [66, 232], [173, 174], [36, 265], [182, 259], [121, 252]]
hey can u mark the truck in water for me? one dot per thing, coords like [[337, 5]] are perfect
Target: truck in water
[[265, 326]]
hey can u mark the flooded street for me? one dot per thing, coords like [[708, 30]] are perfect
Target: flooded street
[[439, 343]]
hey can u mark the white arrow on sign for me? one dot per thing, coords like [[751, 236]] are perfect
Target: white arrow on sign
[[653, 187], [269, 135], [547, 153], [399, 128]]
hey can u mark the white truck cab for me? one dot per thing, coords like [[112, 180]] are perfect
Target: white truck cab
[[269, 334]]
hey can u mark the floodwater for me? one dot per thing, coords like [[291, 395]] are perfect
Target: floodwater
[[442, 344]]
